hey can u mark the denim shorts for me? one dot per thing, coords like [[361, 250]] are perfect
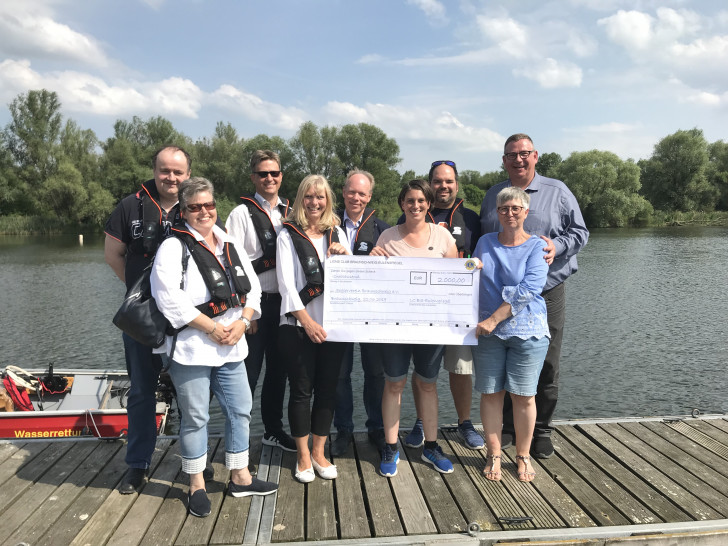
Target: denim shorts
[[396, 361], [511, 364]]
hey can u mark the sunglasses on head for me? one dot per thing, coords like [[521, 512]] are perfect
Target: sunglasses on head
[[264, 174], [443, 162], [197, 207]]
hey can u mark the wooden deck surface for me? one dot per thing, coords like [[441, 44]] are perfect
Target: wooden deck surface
[[643, 474]]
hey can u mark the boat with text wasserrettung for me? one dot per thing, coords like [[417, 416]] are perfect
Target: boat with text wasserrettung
[[70, 403]]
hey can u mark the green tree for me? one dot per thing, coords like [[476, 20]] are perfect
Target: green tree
[[221, 159], [674, 178], [718, 171], [548, 163], [314, 149], [473, 194], [606, 188]]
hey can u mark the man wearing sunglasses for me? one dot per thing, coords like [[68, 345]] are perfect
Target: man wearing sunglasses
[[134, 231], [255, 224], [555, 216], [464, 224], [363, 229]]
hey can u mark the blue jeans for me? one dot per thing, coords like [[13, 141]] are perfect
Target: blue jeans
[[396, 361], [143, 368], [373, 388], [229, 384]]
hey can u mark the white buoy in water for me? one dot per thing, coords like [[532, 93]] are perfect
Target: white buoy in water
[[80, 239]]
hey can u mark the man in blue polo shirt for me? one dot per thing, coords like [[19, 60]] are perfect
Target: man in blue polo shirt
[[555, 216]]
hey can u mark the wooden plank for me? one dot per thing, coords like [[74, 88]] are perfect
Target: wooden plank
[[721, 424], [44, 517], [352, 514], [143, 512], [717, 439], [255, 505], [265, 527], [443, 508], [380, 504], [320, 510], [643, 469], [601, 456], [65, 529], [199, 530], [680, 457], [288, 525], [686, 442], [52, 476], [466, 495], [31, 466], [715, 501], [171, 514], [15, 459], [594, 485], [416, 517], [101, 525]]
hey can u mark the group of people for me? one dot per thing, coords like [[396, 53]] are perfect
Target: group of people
[[251, 293]]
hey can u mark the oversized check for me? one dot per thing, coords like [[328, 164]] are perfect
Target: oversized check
[[401, 300]]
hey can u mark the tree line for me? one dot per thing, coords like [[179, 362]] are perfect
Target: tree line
[[52, 169]]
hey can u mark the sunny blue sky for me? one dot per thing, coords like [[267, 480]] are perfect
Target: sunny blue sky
[[446, 79]]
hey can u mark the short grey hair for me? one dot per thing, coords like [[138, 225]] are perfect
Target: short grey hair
[[191, 187], [513, 193], [369, 176], [516, 138]]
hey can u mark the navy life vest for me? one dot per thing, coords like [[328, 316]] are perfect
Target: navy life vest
[[455, 225], [153, 232], [309, 259], [365, 238], [213, 273], [265, 231]]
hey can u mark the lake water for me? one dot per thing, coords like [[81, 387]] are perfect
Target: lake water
[[646, 329]]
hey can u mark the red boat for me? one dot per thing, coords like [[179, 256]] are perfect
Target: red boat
[[70, 403]]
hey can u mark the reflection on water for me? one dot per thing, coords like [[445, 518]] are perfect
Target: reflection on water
[[646, 332]]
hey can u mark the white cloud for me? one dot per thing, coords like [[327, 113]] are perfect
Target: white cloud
[[606, 128], [416, 124], [371, 58], [704, 98], [551, 74], [434, 10], [25, 31], [630, 29], [509, 36], [255, 108]]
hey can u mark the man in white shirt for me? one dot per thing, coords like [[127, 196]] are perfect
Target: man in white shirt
[[255, 225]]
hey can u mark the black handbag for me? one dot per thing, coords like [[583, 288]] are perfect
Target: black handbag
[[139, 317]]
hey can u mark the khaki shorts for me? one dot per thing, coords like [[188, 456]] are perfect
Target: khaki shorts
[[458, 359]]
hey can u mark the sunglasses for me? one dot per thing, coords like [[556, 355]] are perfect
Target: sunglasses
[[443, 162], [264, 174], [197, 207]]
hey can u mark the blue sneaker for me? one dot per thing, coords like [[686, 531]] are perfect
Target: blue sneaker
[[437, 459], [470, 436], [416, 438], [390, 460]]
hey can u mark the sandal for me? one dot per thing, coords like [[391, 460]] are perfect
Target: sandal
[[492, 475], [525, 476]]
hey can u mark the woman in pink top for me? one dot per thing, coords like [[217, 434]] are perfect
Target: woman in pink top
[[416, 238]]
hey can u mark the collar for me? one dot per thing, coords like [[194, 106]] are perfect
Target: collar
[[221, 236], [353, 223], [534, 185], [264, 202]]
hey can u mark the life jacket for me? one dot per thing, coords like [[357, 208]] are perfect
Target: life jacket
[[455, 225], [309, 259], [366, 237], [153, 232], [214, 274], [265, 231]]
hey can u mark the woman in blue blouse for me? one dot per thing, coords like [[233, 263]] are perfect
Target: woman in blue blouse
[[513, 332]]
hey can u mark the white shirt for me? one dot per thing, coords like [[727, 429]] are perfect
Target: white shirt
[[291, 278], [240, 227], [178, 305]]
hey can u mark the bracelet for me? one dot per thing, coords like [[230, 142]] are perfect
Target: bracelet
[[246, 321], [213, 329]]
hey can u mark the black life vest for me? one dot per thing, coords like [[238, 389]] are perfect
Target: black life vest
[[153, 232], [309, 259], [265, 231], [455, 225], [214, 274], [366, 237]]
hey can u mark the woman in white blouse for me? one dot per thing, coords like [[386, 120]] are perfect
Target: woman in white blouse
[[311, 234], [209, 290]]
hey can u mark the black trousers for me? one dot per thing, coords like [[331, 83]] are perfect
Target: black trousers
[[547, 393], [313, 372]]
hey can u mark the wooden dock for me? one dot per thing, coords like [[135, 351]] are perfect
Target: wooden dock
[[645, 481]]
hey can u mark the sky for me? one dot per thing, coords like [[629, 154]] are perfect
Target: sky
[[445, 79]]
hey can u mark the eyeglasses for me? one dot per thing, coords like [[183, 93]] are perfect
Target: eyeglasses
[[515, 209], [264, 174], [523, 155], [197, 207]]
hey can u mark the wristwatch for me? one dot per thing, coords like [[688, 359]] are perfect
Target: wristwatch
[[246, 322]]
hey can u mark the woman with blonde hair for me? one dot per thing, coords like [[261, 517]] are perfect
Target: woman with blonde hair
[[308, 237]]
